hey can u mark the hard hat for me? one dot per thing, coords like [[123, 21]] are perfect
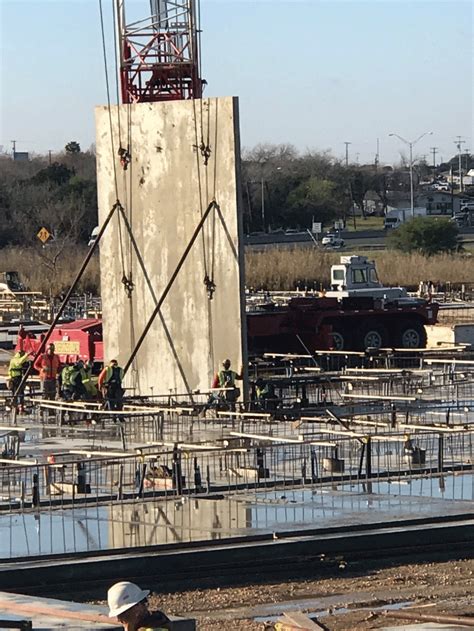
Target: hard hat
[[123, 596]]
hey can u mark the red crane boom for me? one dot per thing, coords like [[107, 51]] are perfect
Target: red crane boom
[[159, 54]]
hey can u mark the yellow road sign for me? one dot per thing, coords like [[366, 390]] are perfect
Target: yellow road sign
[[43, 235]]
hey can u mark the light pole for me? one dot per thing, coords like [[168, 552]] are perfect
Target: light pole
[[411, 144], [347, 152]]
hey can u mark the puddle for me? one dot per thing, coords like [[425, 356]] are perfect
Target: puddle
[[153, 522]]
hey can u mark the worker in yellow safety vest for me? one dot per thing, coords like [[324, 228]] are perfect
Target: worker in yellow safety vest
[[226, 379], [16, 370]]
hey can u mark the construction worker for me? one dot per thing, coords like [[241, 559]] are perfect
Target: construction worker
[[66, 385], [16, 370], [226, 379], [48, 365], [110, 384], [128, 603], [90, 381], [265, 395], [77, 376]]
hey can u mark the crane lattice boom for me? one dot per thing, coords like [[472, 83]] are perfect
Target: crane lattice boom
[[159, 54]]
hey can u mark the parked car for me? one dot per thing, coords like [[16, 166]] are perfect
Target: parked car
[[332, 241]]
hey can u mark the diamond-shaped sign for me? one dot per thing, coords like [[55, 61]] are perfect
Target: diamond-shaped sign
[[43, 235]]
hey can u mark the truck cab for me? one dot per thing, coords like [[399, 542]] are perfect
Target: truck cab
[[357, 276], [10, 282]]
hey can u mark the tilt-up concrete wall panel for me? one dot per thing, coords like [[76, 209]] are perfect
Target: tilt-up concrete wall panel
[[183, 155]]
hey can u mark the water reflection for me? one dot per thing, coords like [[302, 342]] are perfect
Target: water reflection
[[140, 523]]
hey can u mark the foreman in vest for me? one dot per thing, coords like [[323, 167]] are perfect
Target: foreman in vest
[[48, 365]]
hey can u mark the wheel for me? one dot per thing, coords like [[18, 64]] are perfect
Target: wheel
[[341, 339], [411, 334], [372, 336]]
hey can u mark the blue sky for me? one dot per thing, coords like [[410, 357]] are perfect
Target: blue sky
[[308, 72]]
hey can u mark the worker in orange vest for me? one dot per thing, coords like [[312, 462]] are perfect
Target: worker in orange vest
[[48, 365], [110, 384]]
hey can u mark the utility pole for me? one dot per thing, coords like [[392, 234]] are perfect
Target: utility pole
[[49, 156], [13, 147], [347, 152], [433, 151], [377, 155], [459, 142]]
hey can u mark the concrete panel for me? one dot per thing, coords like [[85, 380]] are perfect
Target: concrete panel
[[167, 186]]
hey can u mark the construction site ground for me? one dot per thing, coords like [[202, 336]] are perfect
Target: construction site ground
[[341, 602]]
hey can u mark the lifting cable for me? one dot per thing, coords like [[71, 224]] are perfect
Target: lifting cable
[[115, 207], [213, 205], [126, 213]]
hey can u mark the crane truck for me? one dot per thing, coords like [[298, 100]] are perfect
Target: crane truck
[[357, 313]]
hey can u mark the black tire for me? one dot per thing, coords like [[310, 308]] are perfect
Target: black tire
[[411, 334], [342, 339], [372, 335]]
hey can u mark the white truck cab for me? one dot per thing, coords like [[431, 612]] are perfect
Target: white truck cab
[[357, 276]]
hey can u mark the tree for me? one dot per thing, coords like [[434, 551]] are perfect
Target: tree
[[314, 197], [73, 147], [55, 174], [425, 235]]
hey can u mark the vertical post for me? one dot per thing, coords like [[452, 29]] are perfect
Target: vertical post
[[81, 478], [197, 476], [412, 200], [368, 458], [263, 203], [440, 453], [120, 484], [361, 460], [314, 465], [176, 471], [35, 499]]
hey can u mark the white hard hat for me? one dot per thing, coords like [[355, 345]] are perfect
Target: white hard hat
[[123, 596]]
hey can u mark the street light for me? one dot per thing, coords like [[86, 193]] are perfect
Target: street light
[[411, 145]]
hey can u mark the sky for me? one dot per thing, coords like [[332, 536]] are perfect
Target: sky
[[310, 73]]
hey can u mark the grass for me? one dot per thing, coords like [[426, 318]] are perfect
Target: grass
[[369, 223], [272, 269], [304, 267], [40, 271]]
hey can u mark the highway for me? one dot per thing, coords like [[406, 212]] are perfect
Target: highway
[[366, 239]]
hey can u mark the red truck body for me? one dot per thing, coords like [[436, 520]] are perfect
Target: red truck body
[[81, 339], [303, 325], [353, 323]]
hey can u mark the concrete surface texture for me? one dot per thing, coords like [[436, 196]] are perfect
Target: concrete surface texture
[[183, 155]]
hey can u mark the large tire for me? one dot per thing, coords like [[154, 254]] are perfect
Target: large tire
[[411, 334], [372, 335], [341, 338]]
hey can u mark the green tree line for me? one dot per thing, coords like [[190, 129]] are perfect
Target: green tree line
[[281, 188]]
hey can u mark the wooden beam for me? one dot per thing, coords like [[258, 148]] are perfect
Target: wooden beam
[[378, 397]]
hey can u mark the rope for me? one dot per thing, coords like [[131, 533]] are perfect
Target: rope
[[106, 71], [170, 283], [117, 71]]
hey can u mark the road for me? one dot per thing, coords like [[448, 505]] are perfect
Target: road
[[367, 239]]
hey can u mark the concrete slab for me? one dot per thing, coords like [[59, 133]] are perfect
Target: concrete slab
[[51, 613], [183, 155]]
